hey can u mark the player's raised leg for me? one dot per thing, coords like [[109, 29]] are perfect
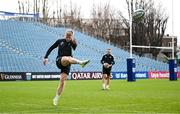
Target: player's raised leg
[[66, 60]]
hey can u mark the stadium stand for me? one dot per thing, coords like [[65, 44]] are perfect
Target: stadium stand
[[23, 45]]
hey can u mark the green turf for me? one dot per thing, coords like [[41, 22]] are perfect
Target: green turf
[[86, 96]]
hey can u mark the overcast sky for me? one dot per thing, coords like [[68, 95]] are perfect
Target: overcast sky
[[86, 6]]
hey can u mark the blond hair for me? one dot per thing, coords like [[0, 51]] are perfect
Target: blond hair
[[69, 33]]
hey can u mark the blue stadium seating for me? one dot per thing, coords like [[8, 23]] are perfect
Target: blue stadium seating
[[24, 44]]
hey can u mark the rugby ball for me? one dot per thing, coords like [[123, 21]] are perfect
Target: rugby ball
[[138, 15]]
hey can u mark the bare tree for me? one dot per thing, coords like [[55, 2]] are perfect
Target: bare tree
[[24, 6], [106, 22], [19, 6], [36, 6], [150, 30], [59, 13], [45, 10], [72, 17]]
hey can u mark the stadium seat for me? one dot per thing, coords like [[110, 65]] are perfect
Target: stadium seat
[[24, 44]]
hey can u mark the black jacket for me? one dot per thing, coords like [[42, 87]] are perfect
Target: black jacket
[[64, 48], [108, 58]]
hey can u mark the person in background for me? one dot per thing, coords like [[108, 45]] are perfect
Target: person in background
[[107, 62]]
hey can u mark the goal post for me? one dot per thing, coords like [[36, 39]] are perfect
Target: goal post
[[131, 60]]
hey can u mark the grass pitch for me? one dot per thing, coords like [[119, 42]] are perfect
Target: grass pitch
[[86, 96]]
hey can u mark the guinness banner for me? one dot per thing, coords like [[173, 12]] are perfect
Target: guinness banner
[[13, 76]]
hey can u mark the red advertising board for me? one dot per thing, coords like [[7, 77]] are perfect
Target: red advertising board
[[178, 74], [160, 74]]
